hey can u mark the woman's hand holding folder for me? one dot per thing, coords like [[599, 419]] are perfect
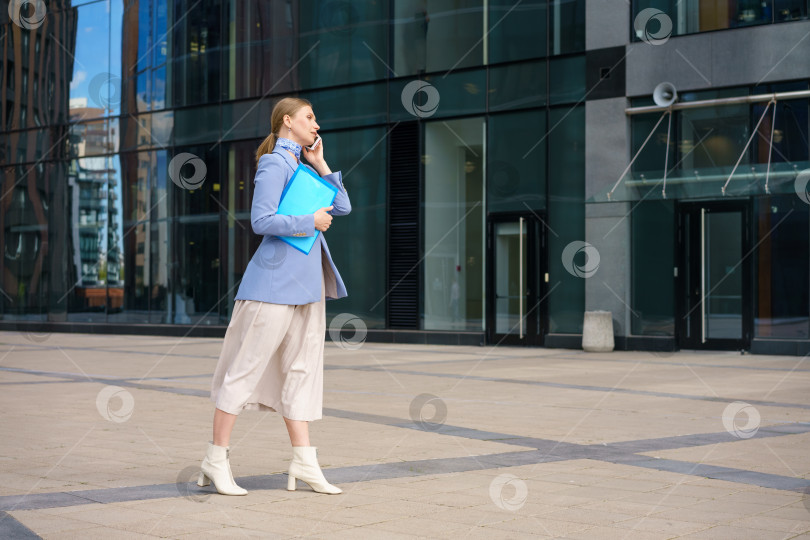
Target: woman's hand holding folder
[[322, 219]]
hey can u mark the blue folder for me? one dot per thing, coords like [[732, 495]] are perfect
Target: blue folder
[[305, 193]]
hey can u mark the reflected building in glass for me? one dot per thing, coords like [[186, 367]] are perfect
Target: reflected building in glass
[[505, 162]]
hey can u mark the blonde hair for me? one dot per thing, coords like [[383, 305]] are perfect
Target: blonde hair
[[286, 106]]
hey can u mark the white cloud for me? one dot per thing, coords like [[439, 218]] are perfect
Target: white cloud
[[78, 78]]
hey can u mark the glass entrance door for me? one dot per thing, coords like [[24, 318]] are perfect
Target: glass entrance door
[[514, 285], [715, 287]]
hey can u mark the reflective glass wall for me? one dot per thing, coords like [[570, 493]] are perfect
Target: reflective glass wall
[[454, 225], [782, 267], [705, 145], [692, 16], [129, 130]]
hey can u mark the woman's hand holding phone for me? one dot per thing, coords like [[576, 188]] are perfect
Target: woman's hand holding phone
[[315, 157]]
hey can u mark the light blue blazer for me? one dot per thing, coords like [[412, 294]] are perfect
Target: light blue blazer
[[278, 273]]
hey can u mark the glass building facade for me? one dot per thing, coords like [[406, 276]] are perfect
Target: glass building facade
[[467, 189]]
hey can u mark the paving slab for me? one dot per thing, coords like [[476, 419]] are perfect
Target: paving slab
[[103, 437]]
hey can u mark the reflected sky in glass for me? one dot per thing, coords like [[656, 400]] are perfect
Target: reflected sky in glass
[[97, 57]]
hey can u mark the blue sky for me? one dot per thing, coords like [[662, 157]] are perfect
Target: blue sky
[[98, 47]]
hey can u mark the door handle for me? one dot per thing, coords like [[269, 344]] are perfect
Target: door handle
[[520, 273], [703, 310]]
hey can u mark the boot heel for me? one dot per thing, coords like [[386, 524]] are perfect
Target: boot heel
[[216, 469], [305, 467]]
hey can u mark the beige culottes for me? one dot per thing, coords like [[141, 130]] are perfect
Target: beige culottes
[[272, 357]]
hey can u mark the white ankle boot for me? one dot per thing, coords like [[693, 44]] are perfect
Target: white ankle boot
[[305, 466], [216, 467]]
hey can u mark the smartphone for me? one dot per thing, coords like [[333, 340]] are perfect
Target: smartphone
[[315, 144]]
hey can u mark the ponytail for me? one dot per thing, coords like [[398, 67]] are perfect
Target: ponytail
[[266, 147], [286, 106]]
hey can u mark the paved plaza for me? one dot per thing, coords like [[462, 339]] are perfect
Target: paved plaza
[[102, 437]]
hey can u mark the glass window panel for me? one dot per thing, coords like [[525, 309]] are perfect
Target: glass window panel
[[726, 129], [516, 169], [239, 242], [116, 40], [30, 145], [459, 93], [705, 144], [87, 202], [90, 138], [789, 10], [30, 269], [511, 239], [92, 85], [791, 150], [361, 236], [145, 238], [32, 99], [145, 35], [653, 288], [262, 49], [115, 237], [203, 124], [724, 284], [517, 86], [782, 267], [567, 79], [348, 107], [437, 35], [567, 26], [192, 254], [158, 94], [136, 238], [247, 119], [160, 246], [351, 38], [692, 16], [454, 225], [142, 96], [150, 130], [161, 32], [516, 30], [196, 50], [566, 213]]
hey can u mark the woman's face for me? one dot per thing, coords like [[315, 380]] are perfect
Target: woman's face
[[303, 125]]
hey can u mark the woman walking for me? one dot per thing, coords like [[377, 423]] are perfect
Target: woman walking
[[272, 355]]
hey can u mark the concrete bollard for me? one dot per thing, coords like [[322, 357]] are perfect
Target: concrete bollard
[[597, 331]]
